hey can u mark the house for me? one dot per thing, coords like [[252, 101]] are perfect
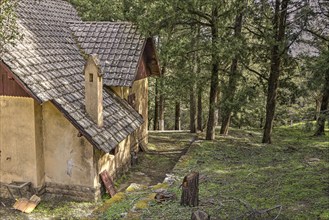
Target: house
[[73, 100]]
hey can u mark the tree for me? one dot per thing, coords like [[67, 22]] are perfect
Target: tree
[[324, 103], [234, 75], [279, 29], [320, 79], [208, 15], [102, 10], [210, 133], [9, 32], [318, 39]]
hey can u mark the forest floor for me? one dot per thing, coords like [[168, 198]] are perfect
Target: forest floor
[[240, 179]]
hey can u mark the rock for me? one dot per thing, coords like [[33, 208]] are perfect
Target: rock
[[122, 215], [200, 215], [164, 195], [134, 187], [170, 179]]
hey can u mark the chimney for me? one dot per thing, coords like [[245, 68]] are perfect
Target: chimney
[[94, 89]]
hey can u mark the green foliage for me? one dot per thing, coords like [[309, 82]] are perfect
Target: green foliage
[[9, 32], [100, 10]]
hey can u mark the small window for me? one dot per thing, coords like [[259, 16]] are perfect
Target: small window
[[91, 77]]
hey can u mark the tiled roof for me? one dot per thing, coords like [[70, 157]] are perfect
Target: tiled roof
[[49, 64], [119, 46]]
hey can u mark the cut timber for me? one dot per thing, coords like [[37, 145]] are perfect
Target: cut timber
[[190, 190], [108, 183], [25, 205], [200, 215]]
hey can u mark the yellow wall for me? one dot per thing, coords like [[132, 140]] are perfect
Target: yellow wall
[[140, 88], [122, 92], [113, 163], [68, 158], [40, 163], [93, 91], [18, 145]]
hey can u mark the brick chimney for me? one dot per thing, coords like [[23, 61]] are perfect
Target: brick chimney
[[94, 89]]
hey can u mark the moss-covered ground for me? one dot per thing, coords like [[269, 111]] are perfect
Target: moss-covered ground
[[244, 179]]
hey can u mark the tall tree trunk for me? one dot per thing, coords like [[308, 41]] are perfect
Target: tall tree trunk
[[210, 134], [232, 84], [177, 116], [324, 111], [161, 112], [279, 26], [194, 73], [156, 106], [193, 106], [200, 126], [219, 107], [193, 118], [162, 99], [317, 108]]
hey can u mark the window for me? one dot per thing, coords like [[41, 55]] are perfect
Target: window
[[91, 77]]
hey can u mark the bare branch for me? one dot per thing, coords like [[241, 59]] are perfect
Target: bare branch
[[254, 71], [317, 35]]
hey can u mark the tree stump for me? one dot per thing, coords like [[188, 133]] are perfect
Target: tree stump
[[190, 190], [200, 215]]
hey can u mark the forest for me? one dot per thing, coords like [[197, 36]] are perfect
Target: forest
[[231, 63], [244, 91]]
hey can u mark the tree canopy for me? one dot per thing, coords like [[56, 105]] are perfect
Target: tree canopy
[[231, 63]]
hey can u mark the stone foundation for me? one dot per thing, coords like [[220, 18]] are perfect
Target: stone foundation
[[74, 192], [77, 193]]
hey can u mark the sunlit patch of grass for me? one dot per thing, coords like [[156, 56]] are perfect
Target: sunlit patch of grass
[[160, 186], [59, 207]]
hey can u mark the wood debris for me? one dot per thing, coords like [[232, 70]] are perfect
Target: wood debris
[[27, 205]]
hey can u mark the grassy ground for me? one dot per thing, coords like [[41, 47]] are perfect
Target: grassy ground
[[244, 179], [240, 179]]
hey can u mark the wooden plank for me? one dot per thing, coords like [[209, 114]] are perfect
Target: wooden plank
[[34, 202], [108, 183], [20, 204], [25, 205]]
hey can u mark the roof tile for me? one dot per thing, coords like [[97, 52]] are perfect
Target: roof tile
[[110, 41]]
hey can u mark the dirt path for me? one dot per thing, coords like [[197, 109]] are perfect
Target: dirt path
[[164, 150]]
